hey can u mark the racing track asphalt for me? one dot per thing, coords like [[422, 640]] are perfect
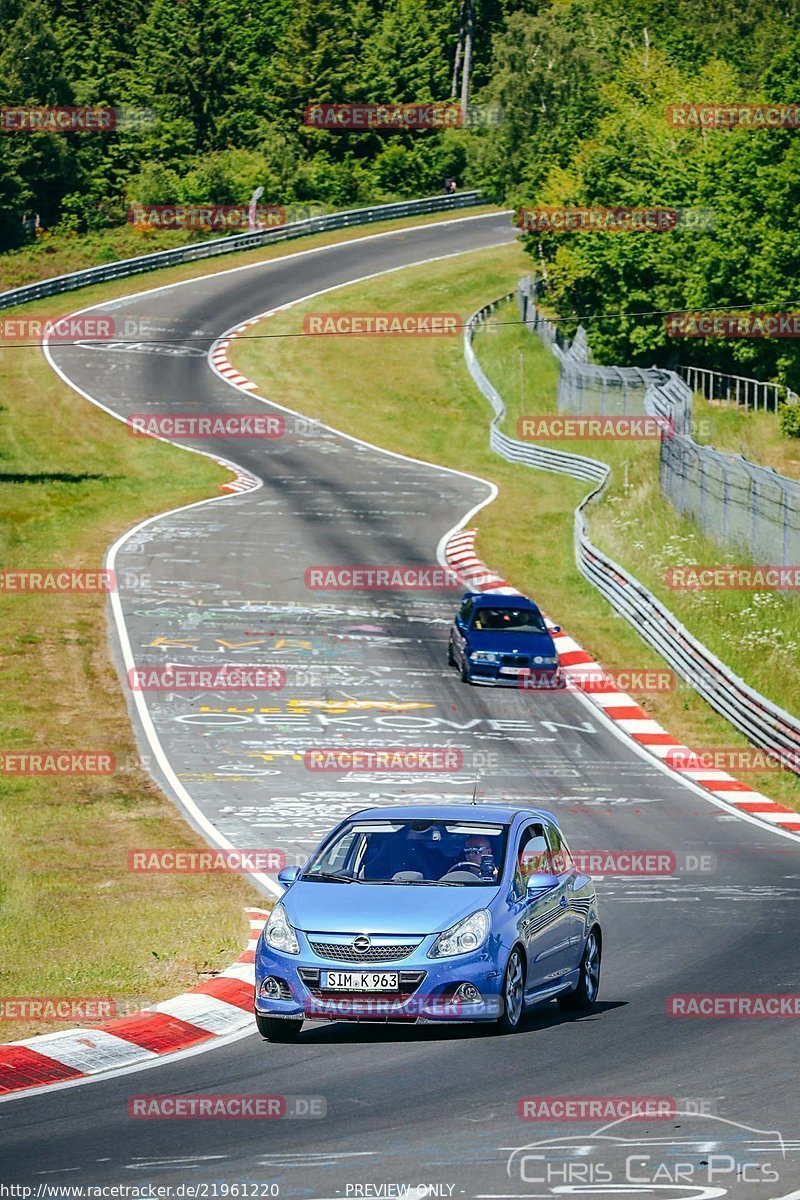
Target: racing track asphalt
[[225, 582]]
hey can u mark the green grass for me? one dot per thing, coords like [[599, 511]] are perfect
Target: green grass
[[415, 396], [73, 920]]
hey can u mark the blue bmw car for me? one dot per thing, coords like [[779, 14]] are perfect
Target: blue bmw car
[[500, 639], [430, 913]]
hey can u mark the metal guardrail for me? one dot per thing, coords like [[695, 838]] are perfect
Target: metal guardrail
[[229, 245], [765, 724], [737, 389], [516, 451]]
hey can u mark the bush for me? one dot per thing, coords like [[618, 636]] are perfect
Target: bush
[[790, 420]]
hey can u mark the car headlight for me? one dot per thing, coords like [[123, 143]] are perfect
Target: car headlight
[[483, 656], [546, 660], [279, 934], [463, 938]]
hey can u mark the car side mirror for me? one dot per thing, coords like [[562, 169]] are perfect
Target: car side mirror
[[556, 629], [288, 875], [540, 883], [534, 863]]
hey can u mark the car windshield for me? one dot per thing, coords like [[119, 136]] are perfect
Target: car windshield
[[444, 853], [511, 620]]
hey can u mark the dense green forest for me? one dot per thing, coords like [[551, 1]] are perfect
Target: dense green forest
[[582, 85]]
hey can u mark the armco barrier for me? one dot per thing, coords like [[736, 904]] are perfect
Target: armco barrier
[[762, 722], [240, 241]]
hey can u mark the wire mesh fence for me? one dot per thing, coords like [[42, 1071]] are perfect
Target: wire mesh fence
[[736, 502]]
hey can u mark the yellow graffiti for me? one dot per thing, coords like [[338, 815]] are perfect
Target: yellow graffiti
[[348, 705], [268, 756], [305, 707], [238, 645]]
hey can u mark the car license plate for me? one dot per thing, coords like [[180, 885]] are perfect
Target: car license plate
[[515, 671], [360, 981]]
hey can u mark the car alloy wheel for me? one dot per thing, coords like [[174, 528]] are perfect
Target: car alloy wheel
[[513, 993], [592, 968], [585, 994]]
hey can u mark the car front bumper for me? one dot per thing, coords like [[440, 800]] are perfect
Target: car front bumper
[[426, 994], [534, 679]]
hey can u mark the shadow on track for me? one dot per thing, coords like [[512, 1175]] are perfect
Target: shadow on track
[[343, 1032]]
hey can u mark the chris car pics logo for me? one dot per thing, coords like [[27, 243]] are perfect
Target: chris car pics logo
[[709, 1156]]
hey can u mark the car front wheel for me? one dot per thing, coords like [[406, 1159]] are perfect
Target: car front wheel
[[513, 999], [451, 658], [276, 1029], [585, 994]]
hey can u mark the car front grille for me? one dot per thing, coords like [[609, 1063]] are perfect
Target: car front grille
[[346, 952], [409, 982], [514, 660]]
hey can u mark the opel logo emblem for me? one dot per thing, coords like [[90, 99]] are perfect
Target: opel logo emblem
[[362, 943]]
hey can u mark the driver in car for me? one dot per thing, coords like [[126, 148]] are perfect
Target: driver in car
[[476, 848]]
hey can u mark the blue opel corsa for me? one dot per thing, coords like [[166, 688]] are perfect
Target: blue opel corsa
[[430, 913]]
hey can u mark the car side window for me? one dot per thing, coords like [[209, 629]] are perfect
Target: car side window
[[531, 859], [465, 612], [561, 857]]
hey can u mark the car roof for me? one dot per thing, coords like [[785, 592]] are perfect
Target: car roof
[[501, 600], [495, 813]]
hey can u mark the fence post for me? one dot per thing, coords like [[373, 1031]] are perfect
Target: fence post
[[755, 494]]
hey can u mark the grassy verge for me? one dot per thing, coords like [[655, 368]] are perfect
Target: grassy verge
[[61, 254], [73, 920], [429, 408]]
